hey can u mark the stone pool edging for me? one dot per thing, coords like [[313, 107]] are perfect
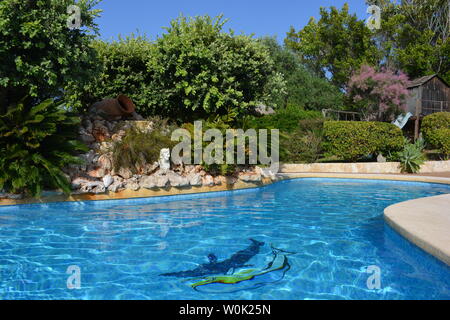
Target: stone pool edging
[[362, 167], [425, 222], [142, 193]]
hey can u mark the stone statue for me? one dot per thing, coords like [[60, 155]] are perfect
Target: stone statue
[[164, 159]]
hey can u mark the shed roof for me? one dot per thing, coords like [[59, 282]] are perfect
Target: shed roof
[[420, 81]]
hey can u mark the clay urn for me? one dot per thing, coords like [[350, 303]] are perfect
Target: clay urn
[[114, 108]]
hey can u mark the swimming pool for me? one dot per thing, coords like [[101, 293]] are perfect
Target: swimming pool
[[312, 239]]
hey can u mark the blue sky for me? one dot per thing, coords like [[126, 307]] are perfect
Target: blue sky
[[261, 17]]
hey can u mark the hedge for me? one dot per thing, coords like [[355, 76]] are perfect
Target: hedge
[[436, 131], [351, 140]]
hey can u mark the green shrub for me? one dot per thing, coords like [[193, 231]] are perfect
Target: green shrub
[[436, 131], [285, 120], [198, 70], [35, 143], [351, 140], [412, 157], [304, 144], [39, 54], [139, 147], [123, 70]]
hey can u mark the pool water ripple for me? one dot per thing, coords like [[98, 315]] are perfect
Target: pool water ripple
[[334, 227]]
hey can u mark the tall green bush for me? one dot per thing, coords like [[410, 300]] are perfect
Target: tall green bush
[[199, 70], [436, 131], [36, 142], [285, 120], [122, 70], [40, 56], [352, 140]]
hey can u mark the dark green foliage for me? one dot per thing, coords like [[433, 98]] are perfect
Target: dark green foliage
[[302, 88], [123, 70], [285, 120], [40, 56], [138, 147], [352, 140], [200, 70], [336, 44], [35, 143], [411, 157], [436, 131], [304, 144]]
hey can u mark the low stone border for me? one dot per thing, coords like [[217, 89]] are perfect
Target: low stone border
[[425, 222], [367, 176], [142, 193], [362, 167]]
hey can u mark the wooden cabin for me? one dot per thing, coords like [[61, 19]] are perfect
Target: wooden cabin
[[428, 95]]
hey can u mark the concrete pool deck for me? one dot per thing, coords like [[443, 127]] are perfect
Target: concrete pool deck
[[425, 222]]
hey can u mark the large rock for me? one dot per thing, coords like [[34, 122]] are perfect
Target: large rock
[[250, 177], [195, 179], [125, 173], [162, 181], [148, 182], [177, 181], [105, 162], [208, 180], [95, 187]]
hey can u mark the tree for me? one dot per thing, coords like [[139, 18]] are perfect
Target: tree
[[378, 95], [414, 36], [336, 45], [40, 56], [199, 71], [304, 89]]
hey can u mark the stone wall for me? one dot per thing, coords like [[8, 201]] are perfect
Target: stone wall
[[97, 175], [366, 167]]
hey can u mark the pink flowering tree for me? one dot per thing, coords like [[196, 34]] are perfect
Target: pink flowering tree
[[378, 95]]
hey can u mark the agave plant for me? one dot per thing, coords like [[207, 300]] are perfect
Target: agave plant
[[36, 142], [411, 157]]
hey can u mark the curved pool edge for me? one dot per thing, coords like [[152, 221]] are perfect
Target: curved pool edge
[[142, 193], [424, 222], [240, 185]]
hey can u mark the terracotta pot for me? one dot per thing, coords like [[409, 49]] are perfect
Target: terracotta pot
[[114, 107]]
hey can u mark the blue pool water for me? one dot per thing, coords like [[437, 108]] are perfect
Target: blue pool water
[[333, 229]]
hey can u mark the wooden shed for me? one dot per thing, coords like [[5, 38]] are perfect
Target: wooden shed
[[428, 95]]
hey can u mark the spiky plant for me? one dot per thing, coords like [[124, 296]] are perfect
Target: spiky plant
[[411, 157], [36, 142]]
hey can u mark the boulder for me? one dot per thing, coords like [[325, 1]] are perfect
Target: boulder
[[250, 177], [95, 187], [208, 180], [178, 181], [148, 182], [195, 179], [125, 173]]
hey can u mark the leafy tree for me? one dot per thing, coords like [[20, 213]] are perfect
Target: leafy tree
[[378, 95], [414, 36], [304, 89], [199, 71], [122, 68], [40, 56], [336, 45]]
